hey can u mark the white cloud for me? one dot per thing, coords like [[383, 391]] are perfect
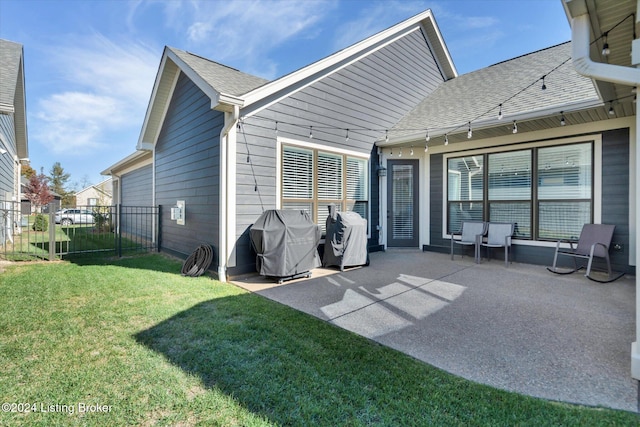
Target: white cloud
[[375, 18], [244, 30], [104, 87]]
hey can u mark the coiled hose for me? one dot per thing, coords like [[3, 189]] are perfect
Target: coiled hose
[[198, 262]]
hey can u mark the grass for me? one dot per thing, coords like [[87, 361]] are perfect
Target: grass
[[155, 348], [30, 244]]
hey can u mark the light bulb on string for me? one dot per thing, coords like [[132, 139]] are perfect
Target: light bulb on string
[[411, 152], [611, 110], [310, 132], [426, 147], [515, 127], [276, 128], [400, 153], [469, 132], [544, 86], [347, 137], [500, 113], [446, 139], [428, 137], [386, 136], [562, 120], [605, 47]]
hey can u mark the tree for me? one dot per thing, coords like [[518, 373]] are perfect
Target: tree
[[58, 181], [28, 171], [37, 191]]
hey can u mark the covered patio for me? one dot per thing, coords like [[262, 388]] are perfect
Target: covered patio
[[520, 328]]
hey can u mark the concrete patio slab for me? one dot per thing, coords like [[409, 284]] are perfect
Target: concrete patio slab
[[520, 328]]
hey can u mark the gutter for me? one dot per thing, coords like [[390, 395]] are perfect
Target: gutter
[[230, 120], [580, 35]]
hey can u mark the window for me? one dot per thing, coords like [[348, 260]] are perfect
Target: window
[[313, 179], [546, 191]]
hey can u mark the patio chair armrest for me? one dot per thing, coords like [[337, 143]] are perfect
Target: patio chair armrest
[[593, 247]]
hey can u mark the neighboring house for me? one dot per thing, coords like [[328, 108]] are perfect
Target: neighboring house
[[100, 194], [13, 134], [387, 128]]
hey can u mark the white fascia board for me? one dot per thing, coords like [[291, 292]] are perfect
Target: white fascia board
[[337, 61], [131, 162], [495, 122], [152, 100]]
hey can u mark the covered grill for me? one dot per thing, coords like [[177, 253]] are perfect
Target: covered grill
[[346, 240], [286, 244]]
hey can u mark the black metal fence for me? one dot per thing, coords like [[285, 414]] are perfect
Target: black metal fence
[[29, 234]]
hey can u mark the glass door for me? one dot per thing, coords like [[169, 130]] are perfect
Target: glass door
[[402, 203]]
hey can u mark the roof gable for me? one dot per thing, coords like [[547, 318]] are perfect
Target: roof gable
[[228, 87], [220, 83], [286, 85], [12, 91]]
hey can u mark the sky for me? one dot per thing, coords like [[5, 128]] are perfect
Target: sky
[[90, 65]]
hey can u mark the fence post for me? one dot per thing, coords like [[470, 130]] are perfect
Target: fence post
[[52, 231], [119, 232], [158, 227]]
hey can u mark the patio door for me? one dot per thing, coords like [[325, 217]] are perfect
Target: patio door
[[402, 203]]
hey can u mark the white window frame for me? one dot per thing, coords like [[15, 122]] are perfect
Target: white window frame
[[280, 142]]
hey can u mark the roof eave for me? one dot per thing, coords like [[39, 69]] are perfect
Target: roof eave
[[494, 122]]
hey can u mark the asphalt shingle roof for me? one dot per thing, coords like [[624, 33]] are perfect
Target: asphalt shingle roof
[[10, 54], [223, 79], [515, 83]]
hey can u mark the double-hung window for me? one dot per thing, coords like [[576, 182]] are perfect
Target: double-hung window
[[312, 179], [546, 191]]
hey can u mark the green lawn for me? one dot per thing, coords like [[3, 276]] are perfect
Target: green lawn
[[146, 346]]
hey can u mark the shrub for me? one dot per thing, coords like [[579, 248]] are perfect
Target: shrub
[[41, 223]]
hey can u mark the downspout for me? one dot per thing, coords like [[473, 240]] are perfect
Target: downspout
[[230, 120], [630, 76]]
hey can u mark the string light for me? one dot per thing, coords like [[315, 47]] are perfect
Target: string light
[[411, 152], [400, 153], [347, 137], [611, 110], [386, 136], [515, 127], [500, 113], [605, 47], [428, 137], [276, 128], [446, 139], [562, 121], [544, 86], [310, 132], [469, 132], [426, 147]]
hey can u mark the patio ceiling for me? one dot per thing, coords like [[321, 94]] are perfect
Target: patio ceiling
[[616, 19]]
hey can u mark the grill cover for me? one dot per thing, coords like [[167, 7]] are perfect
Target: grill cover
[[286, 243], [346, 240]]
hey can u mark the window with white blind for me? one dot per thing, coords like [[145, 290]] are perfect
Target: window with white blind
[[545, 191], [312, 179]]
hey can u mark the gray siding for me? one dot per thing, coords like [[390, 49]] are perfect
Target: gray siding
[[7, 164], [136, 200], [615, 204], [187, 168], [366, 97], [136, 187], [615, 191]]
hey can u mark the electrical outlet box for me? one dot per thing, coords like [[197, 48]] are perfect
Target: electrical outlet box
[[178, 212], [617, 247]]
